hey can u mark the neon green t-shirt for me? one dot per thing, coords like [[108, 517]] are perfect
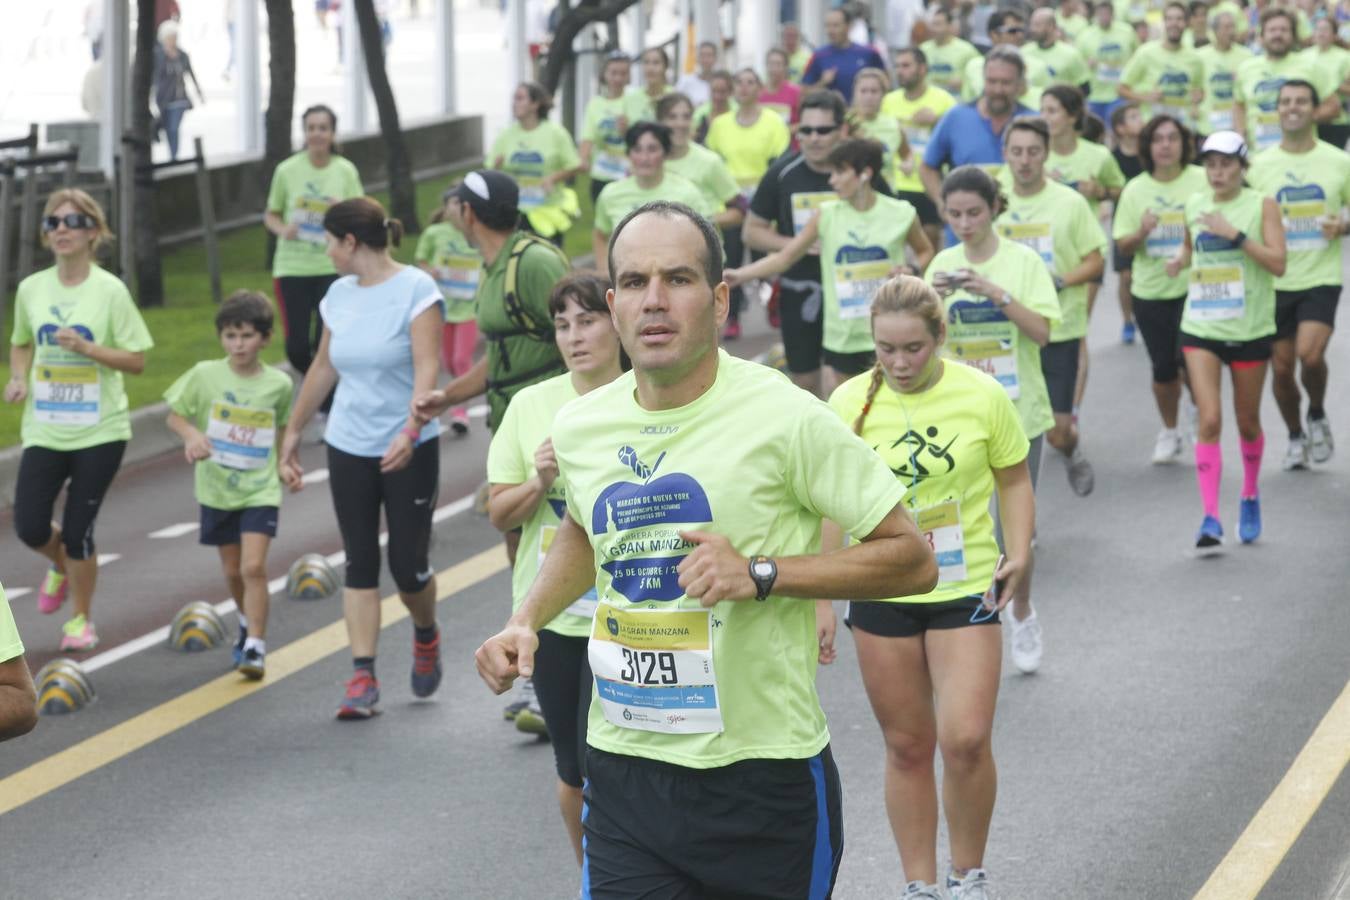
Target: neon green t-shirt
[[242, 416], [1333, 66], [1062, 61], [699, 687], [981, 335], [1071, 26], [619, 198], [857, 252], [1037, 75], [1087, 161], [11, 645], [748, 150], [73, 402], [528, 156], [947, 62], [527, 424], [943, 445], [1236, 11], [642, 106], [1174, 72], [1107, 51], [603, 127], [1257, 88], [704, 111], [708, 173], [885, 129], [1216, 110], [797, 64], [1060, 227], [902, 108], [456, 266], [301, 193], [1308, 186], [1229, 297], [1167, 200]]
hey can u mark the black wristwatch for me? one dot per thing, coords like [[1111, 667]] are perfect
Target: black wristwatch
[[763, 572]]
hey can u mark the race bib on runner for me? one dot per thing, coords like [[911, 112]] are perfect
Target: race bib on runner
[[532, 194], [66, 394], [994, 356], [1166, 238], [241, 438], [941, 527], [805, 206], [1303, 225], [1108, 72], [1221, 118], [654, 669], [856, 283], [458, 277], [1216, 293], [584, 605], [1036, 235], [609, 167], [1267, 130], [308, 217], [918, 136]]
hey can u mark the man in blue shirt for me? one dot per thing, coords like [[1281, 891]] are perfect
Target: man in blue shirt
[[834, 65], [972, 133]]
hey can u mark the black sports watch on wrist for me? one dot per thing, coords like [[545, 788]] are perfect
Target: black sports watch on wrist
[[763, 572]]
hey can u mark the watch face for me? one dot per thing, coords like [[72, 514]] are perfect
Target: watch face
[[763, 569]]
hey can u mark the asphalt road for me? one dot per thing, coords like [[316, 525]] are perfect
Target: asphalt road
[[1175, 694]]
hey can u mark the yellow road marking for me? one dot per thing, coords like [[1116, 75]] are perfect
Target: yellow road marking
[[127, 737], [1263, 845]]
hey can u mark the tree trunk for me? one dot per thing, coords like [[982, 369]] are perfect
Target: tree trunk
[[280, 95], [149, 277], [402, 191], [570, 24]]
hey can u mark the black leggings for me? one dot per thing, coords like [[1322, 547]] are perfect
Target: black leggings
[[408, 497], [563, 685], [42, 474], [298, 298], [735, 249], [1159, 323]]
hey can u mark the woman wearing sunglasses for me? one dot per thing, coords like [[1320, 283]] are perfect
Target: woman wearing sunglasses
[[76, 330], [931, 664]]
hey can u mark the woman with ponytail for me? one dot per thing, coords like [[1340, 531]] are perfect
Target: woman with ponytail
[[380, 348], [952, 435]]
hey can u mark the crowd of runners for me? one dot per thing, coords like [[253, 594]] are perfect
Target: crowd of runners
[[927, 229]]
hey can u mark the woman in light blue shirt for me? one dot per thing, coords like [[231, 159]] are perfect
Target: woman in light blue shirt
[[380, 347]]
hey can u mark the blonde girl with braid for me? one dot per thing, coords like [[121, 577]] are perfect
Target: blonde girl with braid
[[931, 663]]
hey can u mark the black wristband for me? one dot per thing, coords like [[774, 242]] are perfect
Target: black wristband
[[1240, 238]]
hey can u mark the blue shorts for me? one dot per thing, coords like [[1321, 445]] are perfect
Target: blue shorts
[[1103, 111], [221, 527]]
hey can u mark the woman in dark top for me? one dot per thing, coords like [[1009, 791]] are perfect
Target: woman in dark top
[[172, 70]]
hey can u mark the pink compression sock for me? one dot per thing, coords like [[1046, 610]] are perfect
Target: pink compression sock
[[1208, 473], [1251, 464]]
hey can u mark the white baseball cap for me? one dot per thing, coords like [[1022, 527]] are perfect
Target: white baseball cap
[[1228, 143]]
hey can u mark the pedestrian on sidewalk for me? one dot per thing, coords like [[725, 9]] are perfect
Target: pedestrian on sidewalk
[[173, 68]]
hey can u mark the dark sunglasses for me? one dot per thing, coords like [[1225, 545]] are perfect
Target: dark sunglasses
[[1012, 29], [74, 221], [816, 129]]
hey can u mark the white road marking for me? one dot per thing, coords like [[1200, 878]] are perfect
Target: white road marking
[[105, 558], [316, 477], [225, 607], [173, 531], [16, 593]]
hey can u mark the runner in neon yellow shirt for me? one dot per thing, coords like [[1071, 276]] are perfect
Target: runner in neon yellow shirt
[[696, 518], [1001, 306], [1063, 62], [721, 86], [863, 236], [1164, 76], [1332, 61], [1071, 20], [869, 89], [1234, 249], [655, 64], [919, 106], [698, 164], [1059, 226], [444, 253], [18, 699], [1310, 180], [527, 494], [960, 439], [946, 53], [1221, 60], [539, 154], [799, 55], [608, 115], [1150, 225], [1257, 85], [76, 332], [1107, 44], [648, 143]]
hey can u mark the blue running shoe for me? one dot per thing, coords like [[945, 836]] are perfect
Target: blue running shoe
[[1127, 333], [426, 670], [1210, 537], [237, 652], [362, 693], [1249, 519]]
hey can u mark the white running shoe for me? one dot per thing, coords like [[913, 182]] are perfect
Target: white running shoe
[[1296, 457], [1321, 445], [1167, 449], [918, 890], [1026, 642], [1081, 476], [1190, 417], [975, 886]]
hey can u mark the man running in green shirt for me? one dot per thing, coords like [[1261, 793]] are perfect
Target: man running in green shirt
[[1107, 44], [696, 518], [946, 53], [1310, 180], [1257, 87], [1164, 76], [1063, 62]]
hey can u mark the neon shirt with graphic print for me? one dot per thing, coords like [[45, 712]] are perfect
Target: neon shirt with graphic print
[[708, 173], [527, 424], [1167, 200], [1107, 50], [1216, 110], [896, 104], [736, 681], [1307, 186], [609, 154], [74, 402], [885, 130], [1177, 73], [530, 155], [947, 62], [1071, 26], [642, 105], [1230, 297], [301, 194], [619, 198], [455, 265], [748, 150], [980, 334], [943, 445], [1257, 87], [1059, 226], [1063, 62], [1333, 65], [241, 416], [858, 249], [1087, 161], [11, 645]]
